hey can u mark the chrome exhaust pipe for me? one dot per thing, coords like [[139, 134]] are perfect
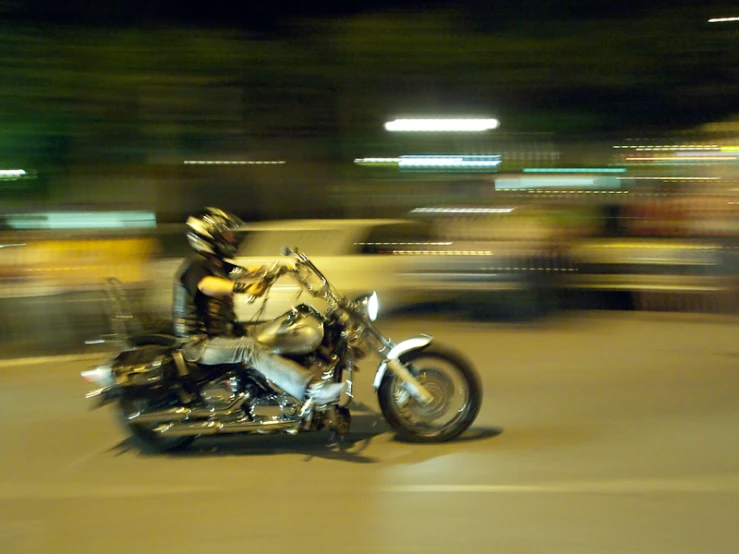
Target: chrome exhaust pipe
[[163, 416], [219, 427], [181, 413]]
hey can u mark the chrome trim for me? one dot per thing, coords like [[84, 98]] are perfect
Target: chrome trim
[[350, 380], [180, 363], [410, 383], [347, 396], [181, 413], [219, 427], [98, 392]]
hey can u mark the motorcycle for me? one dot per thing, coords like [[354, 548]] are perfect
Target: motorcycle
[[427, 392]]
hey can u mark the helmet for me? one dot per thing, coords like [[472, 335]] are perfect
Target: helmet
[[211, 232]]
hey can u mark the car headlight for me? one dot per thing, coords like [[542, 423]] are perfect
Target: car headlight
[[369, 305]]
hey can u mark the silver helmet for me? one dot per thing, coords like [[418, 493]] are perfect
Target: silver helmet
[[212, 232]]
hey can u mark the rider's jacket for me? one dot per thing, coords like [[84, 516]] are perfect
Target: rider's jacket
[[197, 316]]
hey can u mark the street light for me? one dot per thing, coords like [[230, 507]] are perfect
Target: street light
[[7, 174], [723, 19], [441, 125], [455, 162]]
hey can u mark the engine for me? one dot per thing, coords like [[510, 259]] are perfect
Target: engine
[[274, 406], [264, 400], [262, 403], [222, 392]]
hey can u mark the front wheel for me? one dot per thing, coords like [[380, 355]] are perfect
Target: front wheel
[[454, 385]]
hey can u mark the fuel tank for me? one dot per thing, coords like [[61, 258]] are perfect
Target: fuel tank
[[298, 331]]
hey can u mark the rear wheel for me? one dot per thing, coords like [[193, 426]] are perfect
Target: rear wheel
[[452, 382], [143, 434]]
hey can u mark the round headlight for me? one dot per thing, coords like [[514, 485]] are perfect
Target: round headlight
[[373, 306], [368, 305]]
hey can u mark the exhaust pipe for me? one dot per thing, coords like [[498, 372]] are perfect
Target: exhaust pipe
[[218, 427], [181, 413], [163, 416]]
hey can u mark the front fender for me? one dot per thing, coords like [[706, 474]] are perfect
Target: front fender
[[415, 343]]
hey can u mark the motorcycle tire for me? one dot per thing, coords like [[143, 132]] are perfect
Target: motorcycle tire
[[457, 427]]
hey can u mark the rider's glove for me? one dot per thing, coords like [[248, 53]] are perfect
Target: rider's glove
[[241, 287]]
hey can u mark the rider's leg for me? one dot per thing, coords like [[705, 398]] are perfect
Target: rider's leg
[[286, 374]]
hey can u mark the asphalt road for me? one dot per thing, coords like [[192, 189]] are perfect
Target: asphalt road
[[614, 434]]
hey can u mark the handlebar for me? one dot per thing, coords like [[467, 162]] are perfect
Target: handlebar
[[326, 292]]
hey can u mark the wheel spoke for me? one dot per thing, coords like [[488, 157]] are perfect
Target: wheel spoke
[[448, 390]]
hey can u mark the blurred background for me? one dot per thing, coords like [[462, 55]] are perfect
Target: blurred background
[[551, 187], [599, 170]]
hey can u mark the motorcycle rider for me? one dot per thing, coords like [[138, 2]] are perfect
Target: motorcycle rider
[[203, 310]]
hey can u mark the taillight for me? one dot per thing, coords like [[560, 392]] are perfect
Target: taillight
[[101, 375]]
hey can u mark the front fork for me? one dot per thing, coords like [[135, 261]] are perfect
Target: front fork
[[411, 384], [393, 363]]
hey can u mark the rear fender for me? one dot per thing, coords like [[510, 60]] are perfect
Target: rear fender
[[143, 366]]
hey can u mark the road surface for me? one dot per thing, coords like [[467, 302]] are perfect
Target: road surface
[[607, 434]]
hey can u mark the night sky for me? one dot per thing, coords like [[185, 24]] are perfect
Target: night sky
[[648, 103], [271, 15]]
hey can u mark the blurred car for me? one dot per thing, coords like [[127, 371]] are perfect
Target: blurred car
[[406, 262], [651, 265], [643, 255]]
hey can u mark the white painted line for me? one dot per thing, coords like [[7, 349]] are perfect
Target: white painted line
[[728, 484], [17, 362]]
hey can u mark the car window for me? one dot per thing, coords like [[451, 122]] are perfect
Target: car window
[[396, 236], [311, 242]]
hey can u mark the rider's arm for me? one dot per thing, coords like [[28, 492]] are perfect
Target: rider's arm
[[217, 286], [199, 277], [236, 272]]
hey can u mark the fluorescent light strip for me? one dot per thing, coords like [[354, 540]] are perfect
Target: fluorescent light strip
[[723, 19], [225, 162], [441, 125], [670, 147], [672, 178], [377, 160], [11, 173], [574, 170], [463, 210], [455, 162], [518, 183], [487, 157], [431, 162], [680, 159]]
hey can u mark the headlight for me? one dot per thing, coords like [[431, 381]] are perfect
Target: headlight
[[373, 306], [369, 305]]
